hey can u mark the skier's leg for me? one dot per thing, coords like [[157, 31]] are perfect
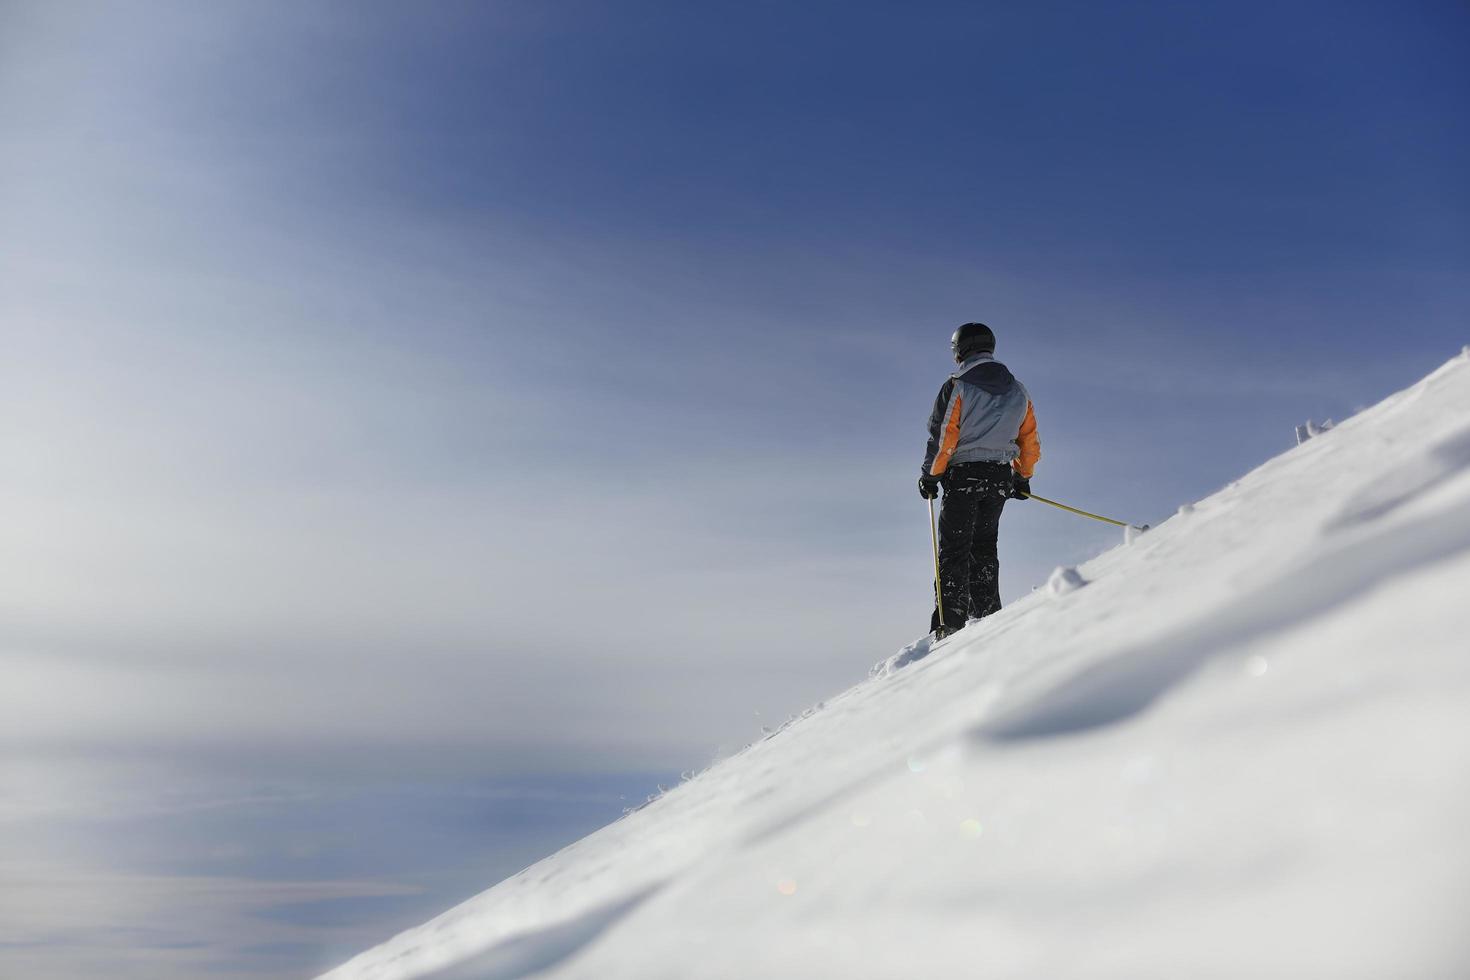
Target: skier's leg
[[984, 562], [956, 527]]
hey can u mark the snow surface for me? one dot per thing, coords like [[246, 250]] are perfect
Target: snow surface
[[1241, 750]]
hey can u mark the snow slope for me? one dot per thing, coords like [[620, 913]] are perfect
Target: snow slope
[[1240, 748]]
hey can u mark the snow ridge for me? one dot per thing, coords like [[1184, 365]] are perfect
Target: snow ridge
[[1234, 747]]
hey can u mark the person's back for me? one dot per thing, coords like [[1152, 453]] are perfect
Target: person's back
[[982, 450]]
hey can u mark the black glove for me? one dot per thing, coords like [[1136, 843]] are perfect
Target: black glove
[[928, 486], [1020, 486]]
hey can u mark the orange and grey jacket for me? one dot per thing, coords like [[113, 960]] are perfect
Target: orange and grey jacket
[[982, 414]]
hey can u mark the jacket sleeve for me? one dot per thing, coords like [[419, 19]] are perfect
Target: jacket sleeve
[[1026, 441], [944, 429]]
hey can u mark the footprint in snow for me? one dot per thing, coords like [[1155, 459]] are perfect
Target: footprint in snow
[[917, 650], [1065, 579]]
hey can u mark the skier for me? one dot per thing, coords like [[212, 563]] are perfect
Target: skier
[[982, 451]]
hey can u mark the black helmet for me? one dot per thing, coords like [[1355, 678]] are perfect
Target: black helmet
[[971, 339]]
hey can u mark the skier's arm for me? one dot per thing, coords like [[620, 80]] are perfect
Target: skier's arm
[[944, 429], [1029, 445]]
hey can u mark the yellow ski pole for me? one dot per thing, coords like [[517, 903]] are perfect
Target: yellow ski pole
[[938, 592], [1083, 513]]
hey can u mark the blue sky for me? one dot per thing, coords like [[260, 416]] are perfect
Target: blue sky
[[418, 416]]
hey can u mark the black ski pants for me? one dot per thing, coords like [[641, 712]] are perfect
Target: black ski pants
[[969, 520]]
